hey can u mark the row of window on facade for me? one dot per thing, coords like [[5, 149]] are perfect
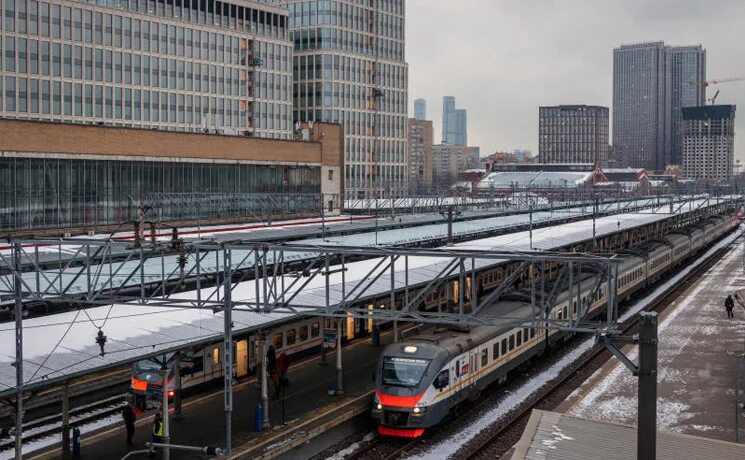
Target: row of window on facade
[[45, 97], [54, 19], [336, 67], [86, 63], [348, 95], [348, 41], [389, 20]]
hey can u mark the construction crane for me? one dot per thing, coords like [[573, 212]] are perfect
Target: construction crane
[[716, 82]]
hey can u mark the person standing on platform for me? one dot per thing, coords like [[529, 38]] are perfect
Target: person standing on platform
[[128, 414], [729, 305], [271, 368], [282, 364], [157, 430]]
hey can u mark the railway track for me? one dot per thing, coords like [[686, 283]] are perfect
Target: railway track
[[50, 425], [497, 439]]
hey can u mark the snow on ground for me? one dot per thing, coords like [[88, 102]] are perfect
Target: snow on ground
[[57, 438], [352, 448], [692, 381]]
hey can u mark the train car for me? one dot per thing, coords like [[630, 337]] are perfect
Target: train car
[[205, 365], [420, 380]]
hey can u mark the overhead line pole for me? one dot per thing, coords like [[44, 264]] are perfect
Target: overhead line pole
[[19, 350]]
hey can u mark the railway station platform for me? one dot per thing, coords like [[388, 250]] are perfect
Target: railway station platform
[[697, 363], [307, 402]]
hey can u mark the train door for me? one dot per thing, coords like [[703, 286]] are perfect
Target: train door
[[241, 358], [350, 327]]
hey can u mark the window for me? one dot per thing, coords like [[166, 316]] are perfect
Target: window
[[495, 351], [519, 338], [303, 333], [512, 342], [291, 335], [331, 174], [525, 334], [504, 347], [403, 372], [216, 356], [315, 329], [277, 340], [484, 357]]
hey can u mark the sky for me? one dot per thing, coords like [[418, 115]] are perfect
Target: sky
[[502, 59]]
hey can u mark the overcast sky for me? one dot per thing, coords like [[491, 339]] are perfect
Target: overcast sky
[[502, 59]]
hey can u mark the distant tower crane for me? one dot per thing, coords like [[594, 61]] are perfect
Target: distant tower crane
[[716, 82]]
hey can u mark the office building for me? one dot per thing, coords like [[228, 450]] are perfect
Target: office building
[[651, 83], [688, 89], [349, 68], [450, 160], [454, 123], [420, 153], [573, 134], [106, 175], [709, 142], [179, 66], [420, 109]]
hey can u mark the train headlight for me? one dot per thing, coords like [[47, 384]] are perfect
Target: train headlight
[[379, 406], [418, 410]]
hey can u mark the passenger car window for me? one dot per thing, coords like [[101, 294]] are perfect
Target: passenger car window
[[442, 380]]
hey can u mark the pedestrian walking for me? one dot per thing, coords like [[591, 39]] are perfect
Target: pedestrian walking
[[729, 305], [128, 414]]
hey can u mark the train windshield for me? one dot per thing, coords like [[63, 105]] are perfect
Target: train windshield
[[148, 365], [404, 372]]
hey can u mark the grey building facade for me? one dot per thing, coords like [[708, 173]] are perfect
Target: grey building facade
[[652, 82], [708, 142], [349, 68], [573, 134], [420, 154], [454, 123], [688, 89], [218, 66], [420, 109]]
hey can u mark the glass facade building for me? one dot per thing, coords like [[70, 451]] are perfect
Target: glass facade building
[[349, 68], [53, 192], [454, 123], [179, 65], [652, 82]]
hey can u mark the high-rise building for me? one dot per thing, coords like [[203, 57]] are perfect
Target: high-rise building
[[445, 163], [454, 123], [708, 142], [177, 66], [688, 89], [573, 134], [420, 109], [420, 153], [349, 68], [651, 83], [461, 127]]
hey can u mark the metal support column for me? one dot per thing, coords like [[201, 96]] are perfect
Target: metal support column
[[339, 332], [228, 347], [177, 386], [166, 427], [647, 422], [19, 349], [66, 418], [393, 297], [264, 390]]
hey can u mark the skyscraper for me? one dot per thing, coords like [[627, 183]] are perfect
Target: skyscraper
[[651, 83], [448, 118], [688, 88], [454, 123], [708, 137], [573, 134], [349, 68], [420, 109]]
